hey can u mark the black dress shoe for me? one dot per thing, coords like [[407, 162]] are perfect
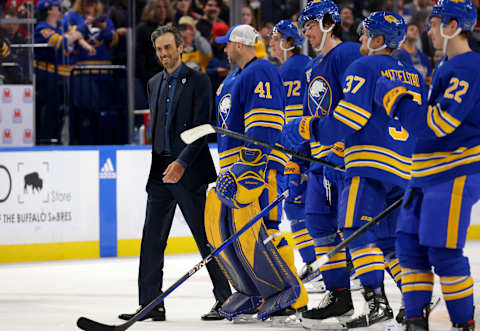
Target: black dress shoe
[[156, 314], [214, 313]]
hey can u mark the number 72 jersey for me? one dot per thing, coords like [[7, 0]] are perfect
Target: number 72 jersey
[[376, 146]]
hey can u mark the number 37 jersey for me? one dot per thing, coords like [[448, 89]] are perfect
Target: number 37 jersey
[[376, 146]]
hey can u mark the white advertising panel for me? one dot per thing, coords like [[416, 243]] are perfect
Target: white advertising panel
[[48, 197], [133, 167], [16, 115]]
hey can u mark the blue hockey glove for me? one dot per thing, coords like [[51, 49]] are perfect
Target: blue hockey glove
[[240, 185], [388, 94], [295, 202], [297, 131]]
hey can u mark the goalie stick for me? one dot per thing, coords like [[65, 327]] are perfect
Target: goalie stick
[[193, 134], [91, 325]]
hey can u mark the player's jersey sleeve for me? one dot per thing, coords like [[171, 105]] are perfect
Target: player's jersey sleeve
[[354, 110], [447, 110]]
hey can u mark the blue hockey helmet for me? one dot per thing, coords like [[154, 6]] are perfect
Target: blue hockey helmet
[[288, 29], [316, 9], [391, 25], [462, 11]]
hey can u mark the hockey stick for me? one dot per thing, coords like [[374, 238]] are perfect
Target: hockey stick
[[91, 325], [193, 134], [364, 228]]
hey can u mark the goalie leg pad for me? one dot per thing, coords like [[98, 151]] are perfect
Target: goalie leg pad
[[255, 269], [217, 218]]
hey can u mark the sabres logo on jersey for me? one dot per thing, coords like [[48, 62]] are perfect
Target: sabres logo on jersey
[[224, 107], [319, 97], [391, 19]]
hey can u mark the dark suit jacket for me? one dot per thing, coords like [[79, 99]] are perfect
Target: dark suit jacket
[[191, 107]]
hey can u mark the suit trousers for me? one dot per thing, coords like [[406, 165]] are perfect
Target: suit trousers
[[161, 203]]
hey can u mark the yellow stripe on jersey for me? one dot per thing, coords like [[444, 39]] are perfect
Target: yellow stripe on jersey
[[228, 157], [351, 115], [441, 122], [263, 117], [454, 288], [293, 111], [380, 158], [279, 157], [454, 213], [318, 150], [433, 163], [352, 200]]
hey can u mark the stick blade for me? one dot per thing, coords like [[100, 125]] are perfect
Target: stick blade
[[90, 325], [193, 134]]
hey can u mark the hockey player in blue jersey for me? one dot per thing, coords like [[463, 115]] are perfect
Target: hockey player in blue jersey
[[259, 264], [445, 180], [377, 155], [320, 21], [286, 44]]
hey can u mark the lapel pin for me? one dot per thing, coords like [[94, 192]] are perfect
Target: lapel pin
[[184, 80]]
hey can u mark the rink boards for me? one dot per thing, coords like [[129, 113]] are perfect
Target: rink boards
[[84, 202]]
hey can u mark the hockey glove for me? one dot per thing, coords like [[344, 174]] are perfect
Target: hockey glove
[[388, 94], [240, 185], [295, 202], [297, 131]]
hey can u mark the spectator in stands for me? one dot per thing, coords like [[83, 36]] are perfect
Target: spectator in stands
[[410, 54], [248, 17], [196, 49], [401, 10], [211, 11], [155, 13], [218, 67], [349, 32], [19, 56], [421, 8], [184, 8], [97, 29], [51, 65], [118, 13], [4, 53]]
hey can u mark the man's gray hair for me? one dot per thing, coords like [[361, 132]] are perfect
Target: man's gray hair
[[161, 30]]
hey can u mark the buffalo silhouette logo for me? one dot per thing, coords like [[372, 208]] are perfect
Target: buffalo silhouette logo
[[33, 180]]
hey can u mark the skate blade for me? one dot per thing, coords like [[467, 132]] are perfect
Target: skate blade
[[292, 321], [331, 324], [245, 319]]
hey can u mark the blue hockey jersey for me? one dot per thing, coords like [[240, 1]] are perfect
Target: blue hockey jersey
[[257, 109], [448, 130], [294, 82], [376, 146], [102, 40], [417, 59], [47, 57], [325, 90]]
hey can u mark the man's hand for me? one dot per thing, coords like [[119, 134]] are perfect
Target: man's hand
[[173, 173], [297, 131]]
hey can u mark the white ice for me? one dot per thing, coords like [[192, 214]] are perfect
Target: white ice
[[52, 295]]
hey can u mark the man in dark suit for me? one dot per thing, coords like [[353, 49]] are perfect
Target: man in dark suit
[[179, 99]]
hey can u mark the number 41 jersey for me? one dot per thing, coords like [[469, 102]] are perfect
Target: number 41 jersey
[[376, 146]]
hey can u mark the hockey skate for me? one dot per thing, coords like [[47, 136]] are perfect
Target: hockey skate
[[287, 318], [378, 310], [336, 304], [308, 274], [315, 286]]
